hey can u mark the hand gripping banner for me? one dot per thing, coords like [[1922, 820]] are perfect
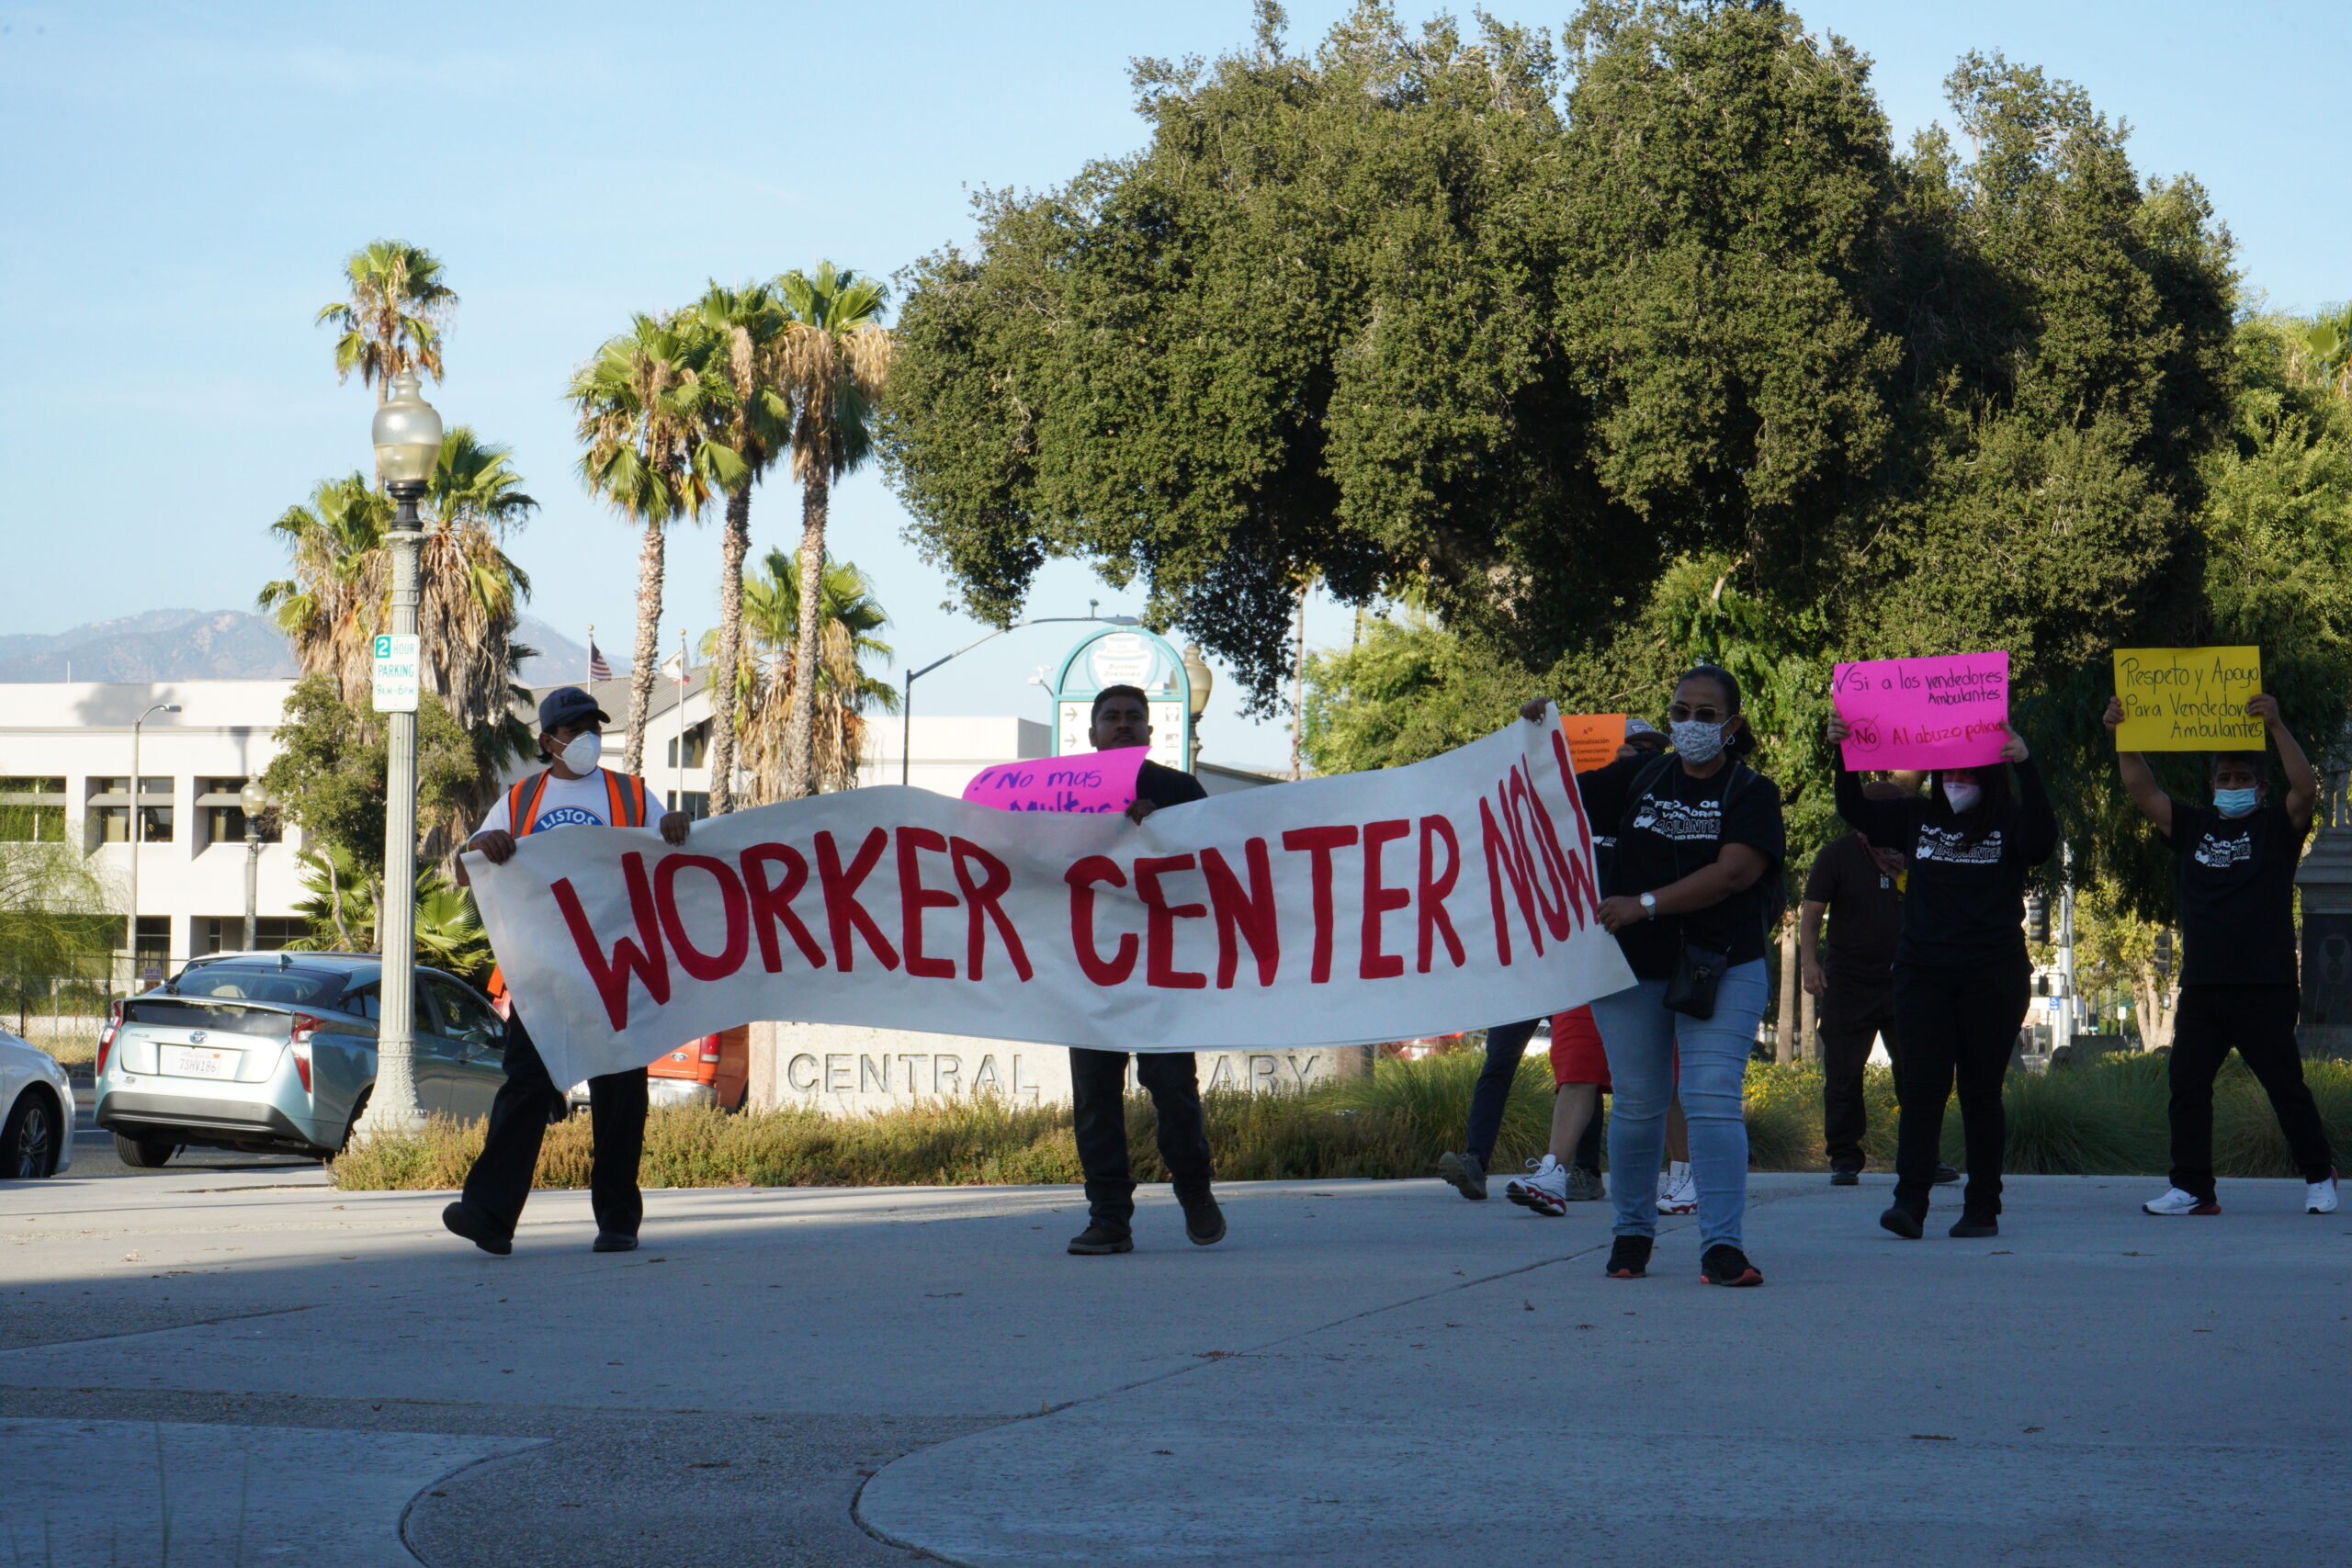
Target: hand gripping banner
[[1428, 899]]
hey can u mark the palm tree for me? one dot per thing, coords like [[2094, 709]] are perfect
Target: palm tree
[[754, 422], [842, 695], [832, 358], [331, 605], [392, 320], [644, 407]]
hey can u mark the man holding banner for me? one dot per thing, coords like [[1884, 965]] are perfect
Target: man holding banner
[[2238, 982]]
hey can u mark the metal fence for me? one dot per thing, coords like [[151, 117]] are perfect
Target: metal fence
[[59, 1013]]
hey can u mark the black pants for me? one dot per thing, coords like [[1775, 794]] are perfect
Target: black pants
[[1098, 1104], [1957, 1025], [2259, 1021], [501, 1178], [1851, 1018], [1506, 1044]]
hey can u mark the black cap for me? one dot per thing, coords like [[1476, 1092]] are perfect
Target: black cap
[[569, 705]]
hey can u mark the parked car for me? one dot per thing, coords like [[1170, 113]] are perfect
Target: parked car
[[275, 1053], [711, 1069], [36, 1110]]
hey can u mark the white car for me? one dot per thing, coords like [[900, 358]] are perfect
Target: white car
[[36, 1111]]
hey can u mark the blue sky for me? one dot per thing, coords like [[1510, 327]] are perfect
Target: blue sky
[[184, 180]]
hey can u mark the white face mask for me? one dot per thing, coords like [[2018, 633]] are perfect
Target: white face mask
[[1963, 796], [583, 752], [1698, 742]]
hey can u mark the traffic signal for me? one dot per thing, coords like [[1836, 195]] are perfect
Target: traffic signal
[[2163, 948], [2037, 917]]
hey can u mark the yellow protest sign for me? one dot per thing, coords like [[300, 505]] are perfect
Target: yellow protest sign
[[2188, 699]]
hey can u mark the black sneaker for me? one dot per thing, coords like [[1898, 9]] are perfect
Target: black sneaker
[[1902, 1223], [1630, 1259], [1968, 1226], [1465, 1173], [1204, 1222], [476, 1227], [1946, 1176], [1099, 1239], [613, 1241], [1845, 1176], [1723, 1264]]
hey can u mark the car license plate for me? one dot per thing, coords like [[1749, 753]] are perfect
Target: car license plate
[[198, 1062]]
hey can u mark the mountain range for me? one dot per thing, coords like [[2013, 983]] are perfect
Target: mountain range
[[223, 645]]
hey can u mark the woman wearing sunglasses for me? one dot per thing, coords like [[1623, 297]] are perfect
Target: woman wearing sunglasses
[[1689, 895], [1960, 971]]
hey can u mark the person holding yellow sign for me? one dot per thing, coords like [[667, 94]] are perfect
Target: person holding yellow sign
[[2238, 984]]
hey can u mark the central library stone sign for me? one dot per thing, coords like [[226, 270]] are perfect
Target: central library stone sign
[[851, 1071]]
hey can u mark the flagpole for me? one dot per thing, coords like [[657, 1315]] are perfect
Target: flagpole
[[683, 672], [591, 656]]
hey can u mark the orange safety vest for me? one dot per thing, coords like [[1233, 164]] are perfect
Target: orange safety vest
[[624, 794]]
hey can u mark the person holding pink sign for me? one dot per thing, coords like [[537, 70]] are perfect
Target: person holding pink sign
[[1962, 976]]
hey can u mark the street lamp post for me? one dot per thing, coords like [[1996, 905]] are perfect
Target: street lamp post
[[138, 837], [254, 800], [408, 442], [1201, 679], [907, 702]]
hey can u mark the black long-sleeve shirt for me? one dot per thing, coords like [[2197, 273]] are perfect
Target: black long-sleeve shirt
[[1964, 904]]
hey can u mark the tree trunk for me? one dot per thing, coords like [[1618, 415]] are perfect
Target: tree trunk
[[2156, 1006], [800, 728], [1808, 1048], [732, 546], [1298, 687], [1784, 1029], [648, 632]]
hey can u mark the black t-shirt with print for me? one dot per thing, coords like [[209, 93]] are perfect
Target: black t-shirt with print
[[1963, 902], [1669, 824], [1168, 786], [2237, 894], [1865, 913]]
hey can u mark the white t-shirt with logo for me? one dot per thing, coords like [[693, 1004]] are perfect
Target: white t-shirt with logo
[[568, 803]]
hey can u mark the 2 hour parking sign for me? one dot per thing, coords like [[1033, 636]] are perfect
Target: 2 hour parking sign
[[396, 659]]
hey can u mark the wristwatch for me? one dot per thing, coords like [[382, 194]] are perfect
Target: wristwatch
[[1649, 905]]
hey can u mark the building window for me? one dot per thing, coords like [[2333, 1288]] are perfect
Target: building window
[[222, 816], [111, 809], [696, 806], [32, 810], [697, 746], [226, 934]]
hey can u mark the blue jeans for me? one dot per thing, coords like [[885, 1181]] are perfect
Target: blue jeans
[[1641, 1038]]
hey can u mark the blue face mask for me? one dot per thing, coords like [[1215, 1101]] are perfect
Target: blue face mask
[[2237, 802]]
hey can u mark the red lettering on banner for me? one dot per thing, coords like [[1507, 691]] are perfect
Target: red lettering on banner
[[1081, 878], [1319, 842], [1250, 915], [844, 914], [1582, 890], [1430, 895], [914, 898], [1159, 924], [1517, 796], [1501, 865], [644, 957], [1378, 899], [982, 900], [771, 904], [699, 964]]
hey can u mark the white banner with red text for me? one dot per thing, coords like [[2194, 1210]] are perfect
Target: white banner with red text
[[1446, 896]]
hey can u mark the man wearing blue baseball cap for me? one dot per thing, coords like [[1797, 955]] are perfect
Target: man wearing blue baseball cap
[[574, 792]]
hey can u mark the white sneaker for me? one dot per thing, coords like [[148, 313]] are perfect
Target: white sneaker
[[2175, 1201], [1543, 1188], [1678, 1193], [2319, 1197]]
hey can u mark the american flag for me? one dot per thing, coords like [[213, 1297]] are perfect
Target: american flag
[[598, 668]]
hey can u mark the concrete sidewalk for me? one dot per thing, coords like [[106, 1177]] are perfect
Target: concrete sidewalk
[[1367, 1373]]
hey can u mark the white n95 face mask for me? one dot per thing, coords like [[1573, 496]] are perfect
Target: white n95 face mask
[[583, 752]]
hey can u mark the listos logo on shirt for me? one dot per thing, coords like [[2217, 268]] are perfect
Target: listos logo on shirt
[[1940, 843], [567, 817], [1681, 820], [2220, 854]]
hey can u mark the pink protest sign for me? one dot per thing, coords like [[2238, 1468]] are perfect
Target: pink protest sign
[[1088, 782], [1951, 711]]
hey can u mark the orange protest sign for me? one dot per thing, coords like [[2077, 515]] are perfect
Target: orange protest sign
[[1592, 737]]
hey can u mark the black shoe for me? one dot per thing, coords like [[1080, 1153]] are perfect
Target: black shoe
[[1902, 1223], [1630, 1259], [1845, 1176], [475, 1228], [1204, 1222], [1099, 1240], [1467, 1173], [1946, 1176], [1723, 1264], [1968, 1226], [613, 1241]]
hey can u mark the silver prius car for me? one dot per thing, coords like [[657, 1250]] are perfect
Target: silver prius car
[[36, 1110], [275, 1053]]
